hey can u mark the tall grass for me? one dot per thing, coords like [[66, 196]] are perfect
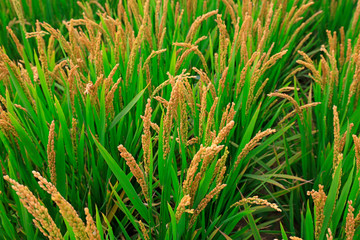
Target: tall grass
[[183, 120]]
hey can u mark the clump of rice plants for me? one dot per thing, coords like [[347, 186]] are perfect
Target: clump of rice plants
[[179, 120]]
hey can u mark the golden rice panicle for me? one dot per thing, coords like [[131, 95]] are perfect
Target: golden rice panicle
[[181, 208], [72, 87], [51, 155], [227, 115], [221, 176], [171, 114], [146, 137], [19, 12], [133, 8], [350, 222], [196, 24], [203, 94], [5, 59], [161, 39], [354, 85], [7, 127], [348, 51], [223, 80], [343, 138], [244, 72], [291, 99], [292, 74], [134, 51], [186, 53], [109, 80], [232, 9], [119, 47], [3, 102], [257, 201], [355, 20], [332, 40], [143, 230], [247, 8], [319, 198], [224, 41], [253, 81], [91, 229], [19, 46], [206, 81], [162, 101], [302, 42], [51, 47], [163, 20], [224, 132], [200, 39], [66, 209], [210, 122], [73, 134], [357, 151], [336, 137], [266, 30], [42, 218], [260, 90], [309, 64], [208, 156], [329, 235], [295, 238], [271, 62], [357, 220], [302, 26], [88, 13], [110, 97], [157, 14], [192, 170], [147, 68], [204, 202], [42, 53], [148, 23], [20, 107], [4, 72], [334, 72], [244, 53], [57, 34], [191, 48], [135, 169], [252, 144], [161, 86], [220, 164], [292, 113], [184, 128]]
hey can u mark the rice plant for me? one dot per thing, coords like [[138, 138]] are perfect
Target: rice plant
[[179, 119]]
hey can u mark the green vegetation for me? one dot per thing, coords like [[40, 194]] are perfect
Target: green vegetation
[[166, 119]]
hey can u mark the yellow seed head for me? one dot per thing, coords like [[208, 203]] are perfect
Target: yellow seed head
[[42, 218], [51, 153], [257, 201], [185, 201], [204, 202], [350, 223], [66, 210], [319, 199], [135, 169], [252, 144]]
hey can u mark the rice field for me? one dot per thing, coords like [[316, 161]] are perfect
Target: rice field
[[188, 119]]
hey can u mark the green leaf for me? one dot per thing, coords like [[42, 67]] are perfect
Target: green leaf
[[123, 180], [126, 109]]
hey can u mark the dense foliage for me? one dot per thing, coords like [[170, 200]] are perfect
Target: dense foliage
[[181, 119]]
